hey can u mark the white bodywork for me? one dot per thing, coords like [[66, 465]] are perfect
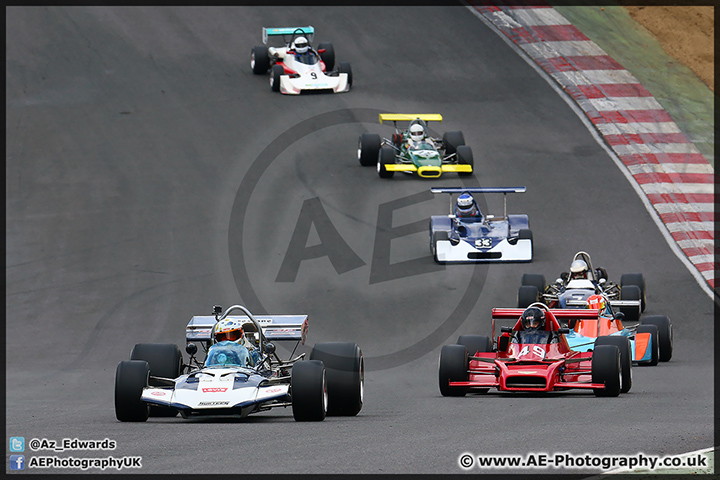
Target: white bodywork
[[311, 77], [447, 252], [218, 389]]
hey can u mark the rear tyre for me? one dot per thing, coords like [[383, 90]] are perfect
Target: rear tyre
[[631, 292], [655, 344], [164, 360], [638, 280], [368, 149], [665, 334], [475, 344], [453, 367], [527, 295], [308, 389], [259, 60], [606, 369], [328, 56], [452, 140], [345, 371], [465, 157], [345, 68], [275, 73], [387, 157], [623, 344], [535, 279], [131, 376]]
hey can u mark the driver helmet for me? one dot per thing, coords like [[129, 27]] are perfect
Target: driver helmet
[[466, 205], [578, 269], [533, 318], [417, 132], [301, 45], [228, 329], [597, 302]]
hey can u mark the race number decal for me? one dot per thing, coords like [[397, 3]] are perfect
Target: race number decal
[[483, 242], [313, 75], [536, 349]]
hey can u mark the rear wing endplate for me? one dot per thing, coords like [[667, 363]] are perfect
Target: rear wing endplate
[[274, 327]]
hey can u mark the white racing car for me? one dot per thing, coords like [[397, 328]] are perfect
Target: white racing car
[[152, 382], [296, 67]]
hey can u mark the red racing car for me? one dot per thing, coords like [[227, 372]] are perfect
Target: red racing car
[[534, 356]]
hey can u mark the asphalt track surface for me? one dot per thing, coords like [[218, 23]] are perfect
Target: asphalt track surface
[[151, 175]]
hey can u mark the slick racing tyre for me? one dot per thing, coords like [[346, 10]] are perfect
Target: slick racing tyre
[[452, 140], [164, 360], [665, 334], [131, 376], [308, 390], [327, 56], [453, 367], [631, 292], [387, 157], [345, 371], [275, 73], [606, 370], [259, 60], [535, 279], [623, 344], [368, 149], [527, 295], [638, 280], [654, 343], [475, 343], [345, 68]]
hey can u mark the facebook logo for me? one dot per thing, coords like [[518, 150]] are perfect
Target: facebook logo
[[17, 444], [17, 462]]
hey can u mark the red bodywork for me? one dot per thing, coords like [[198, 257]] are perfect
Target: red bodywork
[[532, 367]]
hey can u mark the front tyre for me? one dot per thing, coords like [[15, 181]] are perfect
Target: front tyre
[[345, 371], [623, 344], [606, 370], [308, 389], [453, 367], [452, 140], [527, 295], [131, 376], [665, 335], [275, 73], [164, 360], [387, 157], [368, 149], [259, 60], [345, 68]]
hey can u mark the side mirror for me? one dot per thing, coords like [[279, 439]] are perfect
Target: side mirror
[[601, 281], [506, 329], [217, 309], [563, 330], [269, 348], [619, 316], [191, 349]]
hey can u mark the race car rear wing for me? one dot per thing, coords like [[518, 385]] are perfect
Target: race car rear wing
[[459, 190], [409, 117], [274, 327], [514, 314], [283, 31]]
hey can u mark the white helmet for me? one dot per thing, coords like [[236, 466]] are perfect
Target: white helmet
[[301, 45], [578, 269], [465, 205], [417, 132]]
